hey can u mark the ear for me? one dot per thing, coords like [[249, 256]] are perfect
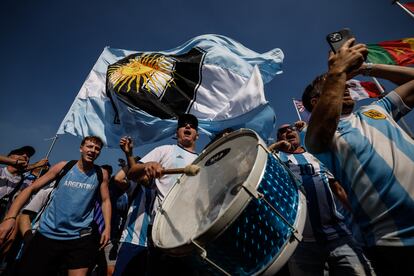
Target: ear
[[197, 136], [314, 101]]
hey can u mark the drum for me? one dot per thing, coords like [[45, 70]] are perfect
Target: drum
[[242, 214]]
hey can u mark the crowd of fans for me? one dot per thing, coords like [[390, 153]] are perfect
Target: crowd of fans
[[356, 167]]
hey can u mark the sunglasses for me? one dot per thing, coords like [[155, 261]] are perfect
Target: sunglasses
[[285, 129], [189, 124]]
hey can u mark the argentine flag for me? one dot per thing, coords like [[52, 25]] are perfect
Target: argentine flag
[[141, 94]]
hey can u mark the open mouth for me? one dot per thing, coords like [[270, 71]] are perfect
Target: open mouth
[[187, 132], [290, 136], [91, 156]]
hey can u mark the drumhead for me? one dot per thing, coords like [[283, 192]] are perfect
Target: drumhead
[[195, 203]]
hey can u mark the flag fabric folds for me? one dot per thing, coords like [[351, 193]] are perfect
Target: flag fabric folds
[[303, 114], [140, 94], [396, 52], [360, 90]]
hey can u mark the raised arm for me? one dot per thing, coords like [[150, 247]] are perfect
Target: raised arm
[[40, 163], [9, 221], [400, 75], [19, 164], [325, 114], [394, 73], [126, 146]]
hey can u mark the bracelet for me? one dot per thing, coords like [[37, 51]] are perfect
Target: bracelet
[[9, 218], [368, 69], [17, 162]]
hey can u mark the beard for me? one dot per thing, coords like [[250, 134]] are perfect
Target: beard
[[347, 106]]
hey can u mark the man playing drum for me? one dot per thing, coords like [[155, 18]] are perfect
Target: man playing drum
[[165, 157], [326, 238]]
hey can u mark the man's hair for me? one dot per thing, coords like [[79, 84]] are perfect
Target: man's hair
[[94, 139], [313, 90]]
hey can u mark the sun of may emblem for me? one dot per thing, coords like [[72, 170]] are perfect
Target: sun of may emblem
[[153, 72], [373, 114]]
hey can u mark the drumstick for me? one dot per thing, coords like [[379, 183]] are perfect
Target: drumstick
[[190, 170]]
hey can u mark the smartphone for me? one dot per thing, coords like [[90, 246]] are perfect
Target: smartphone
[[337, 39]]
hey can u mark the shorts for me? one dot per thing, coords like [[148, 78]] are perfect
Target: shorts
[[45, 256]]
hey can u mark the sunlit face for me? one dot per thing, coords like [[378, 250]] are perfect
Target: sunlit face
[[347, 103], [90, 151], [288, 133], [187, 135]]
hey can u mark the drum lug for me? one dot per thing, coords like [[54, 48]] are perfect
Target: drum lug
[[203, 255], [252, 192], [296, 235]]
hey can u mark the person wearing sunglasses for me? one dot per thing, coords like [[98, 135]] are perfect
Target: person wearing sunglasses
[[326, 237], [149, 173]]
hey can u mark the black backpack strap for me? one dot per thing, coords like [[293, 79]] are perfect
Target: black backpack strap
[[99, 174], [66, 168], [64, 171]]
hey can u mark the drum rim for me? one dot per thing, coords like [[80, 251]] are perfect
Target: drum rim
[[232, 211]]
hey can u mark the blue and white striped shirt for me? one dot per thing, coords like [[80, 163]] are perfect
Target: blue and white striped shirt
[[139, 216], [324, 222], [374, 160]]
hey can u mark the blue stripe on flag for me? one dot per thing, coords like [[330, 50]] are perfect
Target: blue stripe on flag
[[93, 113]]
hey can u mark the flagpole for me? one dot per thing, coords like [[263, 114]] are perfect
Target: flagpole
[[296, 108], [404, 8], [403, 122], [49, 151], [51, 146]]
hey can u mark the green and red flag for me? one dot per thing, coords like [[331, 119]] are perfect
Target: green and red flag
[[396, 52], [409, 6]]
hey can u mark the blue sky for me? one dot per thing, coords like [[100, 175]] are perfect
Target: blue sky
[[49, 47]]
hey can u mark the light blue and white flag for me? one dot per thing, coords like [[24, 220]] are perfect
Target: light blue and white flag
[[140, 94]]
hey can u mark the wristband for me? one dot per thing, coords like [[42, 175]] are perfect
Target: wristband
[[368, 69], [9, 218]]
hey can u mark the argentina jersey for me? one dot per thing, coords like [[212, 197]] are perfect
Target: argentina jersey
[[139, 216], [374, 160], [71, 208], [326, 222]]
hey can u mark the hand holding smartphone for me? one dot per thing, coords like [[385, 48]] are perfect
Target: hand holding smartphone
[[337, 39]]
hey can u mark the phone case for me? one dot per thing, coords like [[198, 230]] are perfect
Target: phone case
[[337, 39]]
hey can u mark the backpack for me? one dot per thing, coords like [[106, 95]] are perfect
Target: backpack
[[66, 168], [35, 223]]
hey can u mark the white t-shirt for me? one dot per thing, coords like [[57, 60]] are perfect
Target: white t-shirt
[[170, 157]]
